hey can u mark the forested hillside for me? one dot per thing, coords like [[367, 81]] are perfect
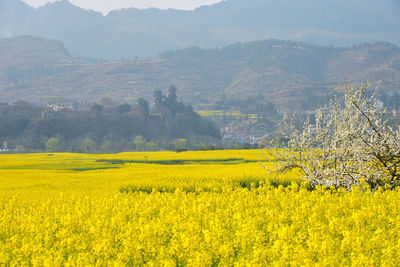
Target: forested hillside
[[291, 75]]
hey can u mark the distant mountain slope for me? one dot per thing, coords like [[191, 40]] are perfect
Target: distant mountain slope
[[286, 73], [27, 51], [132, 32], [27, 58]]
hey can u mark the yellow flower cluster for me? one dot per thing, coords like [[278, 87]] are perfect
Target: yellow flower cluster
[[63, 217]]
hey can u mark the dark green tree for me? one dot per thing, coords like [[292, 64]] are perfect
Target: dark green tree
[[53, 145], [143, 106], [171, 97], [158, 98]]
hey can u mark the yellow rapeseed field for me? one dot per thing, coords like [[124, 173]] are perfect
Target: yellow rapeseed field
[[190, 208]]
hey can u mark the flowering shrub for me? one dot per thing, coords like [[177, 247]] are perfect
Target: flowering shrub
[[345, 146]]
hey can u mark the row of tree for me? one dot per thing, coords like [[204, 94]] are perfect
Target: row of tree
[[105, 128]]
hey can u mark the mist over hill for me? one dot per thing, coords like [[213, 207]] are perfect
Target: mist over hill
[[131, 33], [289, 74]]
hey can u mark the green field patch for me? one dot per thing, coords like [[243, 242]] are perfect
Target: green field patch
[[228, 161], [60, 167], [92, 169]]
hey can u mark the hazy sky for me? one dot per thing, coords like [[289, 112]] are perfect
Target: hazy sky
[[105, 6]]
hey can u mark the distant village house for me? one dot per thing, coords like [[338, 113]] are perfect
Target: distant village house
[[60, 107]]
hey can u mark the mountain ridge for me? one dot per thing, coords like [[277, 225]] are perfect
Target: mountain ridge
[[135, 32]]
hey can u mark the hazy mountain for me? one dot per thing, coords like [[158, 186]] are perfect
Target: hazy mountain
[[284, 72], [132, 32]]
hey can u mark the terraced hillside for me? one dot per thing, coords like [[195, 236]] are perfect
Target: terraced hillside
[[285, 73]]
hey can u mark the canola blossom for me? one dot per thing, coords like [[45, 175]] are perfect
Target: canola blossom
[[69, 209]]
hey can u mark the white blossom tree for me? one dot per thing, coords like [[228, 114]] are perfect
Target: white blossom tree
[[348, 145]]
